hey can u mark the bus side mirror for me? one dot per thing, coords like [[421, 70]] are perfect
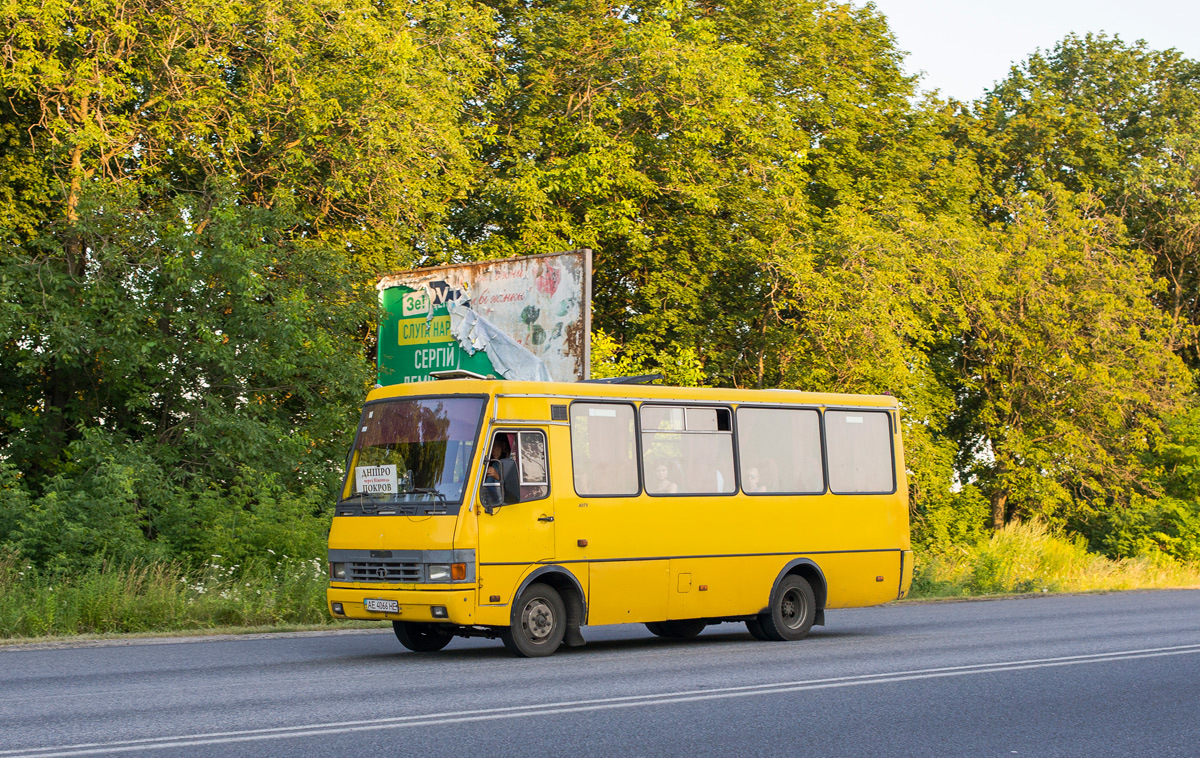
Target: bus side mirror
[[491, 496]]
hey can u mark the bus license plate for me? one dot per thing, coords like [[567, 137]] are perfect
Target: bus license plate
[[382, 606]]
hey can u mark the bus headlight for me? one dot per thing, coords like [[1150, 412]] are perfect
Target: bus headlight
[[439, 572], [337, 571]]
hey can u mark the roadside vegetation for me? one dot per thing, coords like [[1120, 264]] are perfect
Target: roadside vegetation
[[198, 197], [159, 597], [1028, 558], [290, 594]]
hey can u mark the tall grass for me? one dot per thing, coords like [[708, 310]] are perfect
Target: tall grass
[[159, 597], [163, 597], [1028, 557]]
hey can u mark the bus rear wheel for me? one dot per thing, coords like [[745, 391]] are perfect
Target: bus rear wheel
[[792, 613], [539, 622], [421, 638], [684, 629]]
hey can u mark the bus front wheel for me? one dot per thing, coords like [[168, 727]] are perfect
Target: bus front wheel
[[792, 613], [539, 622], [421, 638]]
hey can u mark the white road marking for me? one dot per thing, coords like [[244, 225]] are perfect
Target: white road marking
[[581, 706]]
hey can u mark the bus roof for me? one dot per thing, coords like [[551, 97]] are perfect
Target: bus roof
[[574, 390]]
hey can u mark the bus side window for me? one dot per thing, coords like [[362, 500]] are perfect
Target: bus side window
[[531, 458], [779, 450], [687, 450], [528, 451], [602, 449]]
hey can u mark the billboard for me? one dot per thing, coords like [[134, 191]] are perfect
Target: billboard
[[526, 318]]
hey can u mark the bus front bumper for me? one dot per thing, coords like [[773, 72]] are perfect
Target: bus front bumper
[[436, 606]]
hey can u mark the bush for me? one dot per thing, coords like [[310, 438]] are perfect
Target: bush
[[247, 522], [99, 508], [1028, 557], [113, 503]]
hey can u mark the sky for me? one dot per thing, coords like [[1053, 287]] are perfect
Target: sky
[[965, 46]]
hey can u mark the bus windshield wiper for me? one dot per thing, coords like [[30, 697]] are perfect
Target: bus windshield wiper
[[369, 504], [432, 491], [366, 498]]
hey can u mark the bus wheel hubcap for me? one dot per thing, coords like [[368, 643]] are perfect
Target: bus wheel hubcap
[[538, 619], [791, 608]]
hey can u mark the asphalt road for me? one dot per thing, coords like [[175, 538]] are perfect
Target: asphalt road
[[1094, 675]]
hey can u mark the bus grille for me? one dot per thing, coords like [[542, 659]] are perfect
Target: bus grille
[[385, 571]]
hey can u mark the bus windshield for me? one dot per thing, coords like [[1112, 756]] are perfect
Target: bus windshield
[[413, 456]]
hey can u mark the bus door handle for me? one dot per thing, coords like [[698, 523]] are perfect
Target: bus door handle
[[547, 519]]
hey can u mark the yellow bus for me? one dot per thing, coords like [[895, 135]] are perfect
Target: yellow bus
[[527, 510]]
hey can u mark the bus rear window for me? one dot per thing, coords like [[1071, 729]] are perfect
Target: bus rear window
[[860, 452]]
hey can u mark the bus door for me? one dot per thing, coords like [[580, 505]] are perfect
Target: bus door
[[521, 532], [627, 570]]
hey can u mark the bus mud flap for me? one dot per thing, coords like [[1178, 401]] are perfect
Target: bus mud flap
[[573, 637]]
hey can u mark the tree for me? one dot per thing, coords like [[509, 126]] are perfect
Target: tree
[[1064, 369], [206, 193], [682, 142], [1165, 196], [1098, 116]]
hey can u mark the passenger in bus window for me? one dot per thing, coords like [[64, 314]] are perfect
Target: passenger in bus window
[[753, 482], [662, 480]]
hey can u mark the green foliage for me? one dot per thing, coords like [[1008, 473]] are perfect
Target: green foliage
[[944, 520], [1169, 521], [682, 142], [1064, 365], [93, 510], [251, 519], [1165, 198], [112, 598], [196, 199], [1146, 526], [1117, 122], [115, 503], [680, 367], [1029, 557], [1084, 115]]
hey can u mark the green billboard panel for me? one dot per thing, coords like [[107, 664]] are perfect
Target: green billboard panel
[[524, 318]]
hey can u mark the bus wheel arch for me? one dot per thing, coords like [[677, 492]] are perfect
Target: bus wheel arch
[[796, 603], [811, 572], [568, 588]]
